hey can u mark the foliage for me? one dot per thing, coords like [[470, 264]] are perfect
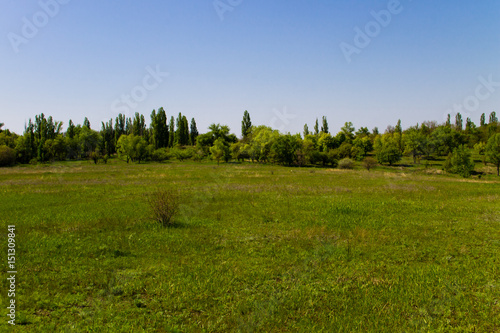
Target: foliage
[[387, 150], [132, 148], [7, 156], [160, 155], [284, 149], [459, 162], [220, 150], [159, 127], [181, 153], [493, 151], [246, 125], [480, 149]]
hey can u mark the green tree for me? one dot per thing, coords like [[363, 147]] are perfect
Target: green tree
[[139, 125], [193, 133], [182, 131], [493, 151], [493, 118], [306, 130], [324, 126], [261, 142], [246, 125], [159, 128], [107, 146], [459, 162], [88, 140], [316, 127], [171, 129], [285, 148], [482, 121], [348, 131], [364, 144], [133, 148], [459, 123], [480, 148], [414, 142], [70, 132], [326, 142], [86, 123], [387, 150], [120, 127], [219, 150]]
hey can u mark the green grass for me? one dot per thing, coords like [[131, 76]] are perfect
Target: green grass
[[255, 249]]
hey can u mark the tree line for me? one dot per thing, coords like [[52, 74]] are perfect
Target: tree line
[[131, 140]]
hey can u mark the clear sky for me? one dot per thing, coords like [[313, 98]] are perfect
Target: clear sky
[[283, 61]]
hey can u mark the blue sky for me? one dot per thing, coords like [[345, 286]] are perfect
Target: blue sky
[[280, 60]]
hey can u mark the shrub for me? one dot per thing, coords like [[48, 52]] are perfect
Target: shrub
[[7, 156], [346, 163], [459, 162], [369, 163], [164, 204], [160, 155], [182, 154]]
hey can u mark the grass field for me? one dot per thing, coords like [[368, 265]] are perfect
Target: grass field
[[255, 249]]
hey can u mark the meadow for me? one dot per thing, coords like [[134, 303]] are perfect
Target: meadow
[[255, 248]]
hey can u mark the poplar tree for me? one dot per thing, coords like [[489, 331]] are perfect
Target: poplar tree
[[324, 126], [193, 132], [493, 118], [482, 121], [459, 123], [86, 123], [70, 132], [246, 125], [171, 132]]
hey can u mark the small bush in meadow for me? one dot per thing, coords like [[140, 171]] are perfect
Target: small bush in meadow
[[346, 163], [369, 163], [164, 204]]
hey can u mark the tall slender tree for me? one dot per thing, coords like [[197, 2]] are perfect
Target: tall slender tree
[[193, 132], [159, 129], [171, 132], [139, 125], [459, 123], [86, 122], [448, 121], [493, 118], [324, 126], [306, 130], [316, 127], [185, 134], [70, 132], [482, 121], [246, 125]]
